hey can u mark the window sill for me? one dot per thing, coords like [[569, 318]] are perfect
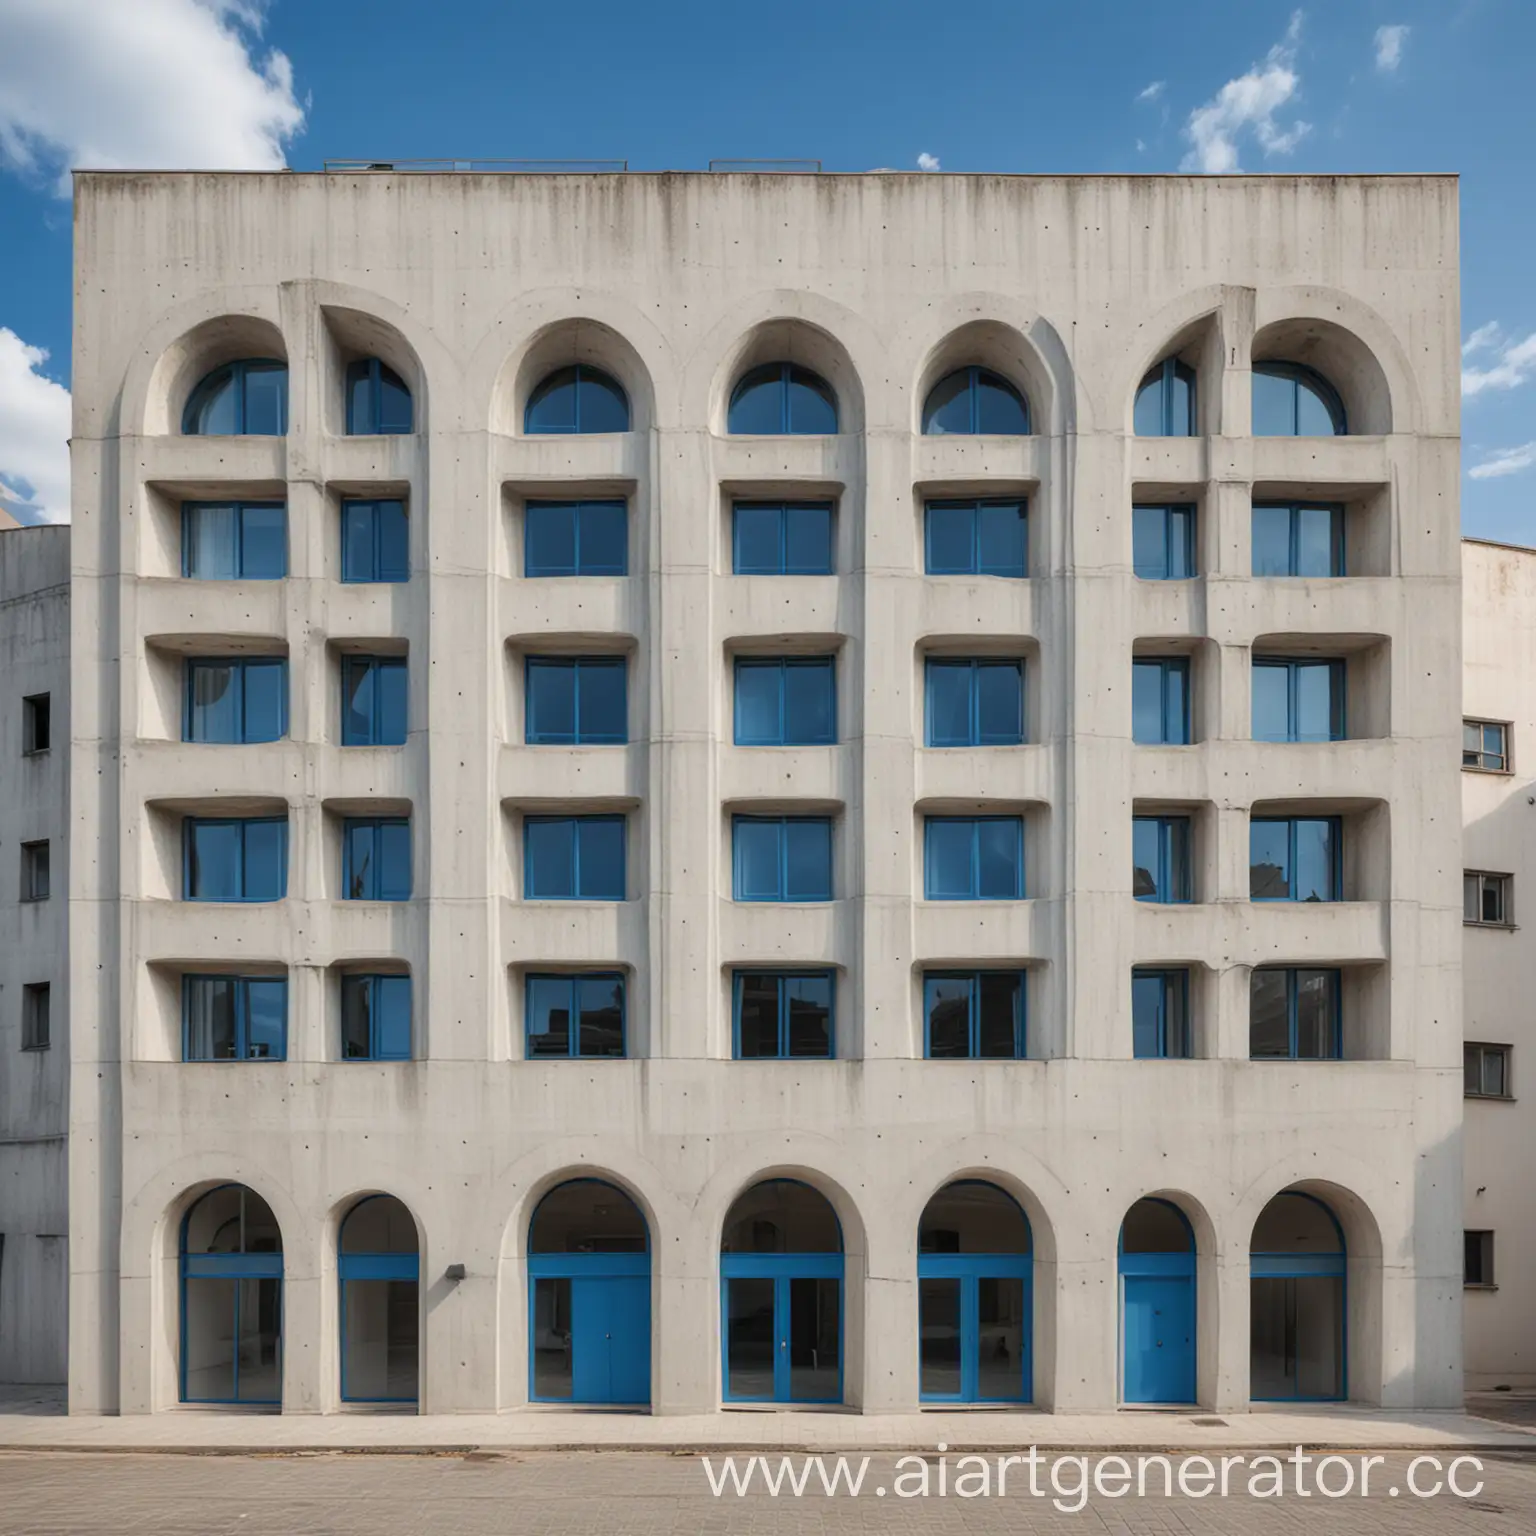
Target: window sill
[[1478, 1285], [1491, 1098], [38, 1049], [1468, 922], [1497, 773]]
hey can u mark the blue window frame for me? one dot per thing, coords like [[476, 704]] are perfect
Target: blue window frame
[[575, 1015], [783, 1014], [974, 1015], [576, 701], [375, 1017], [1160, 858], [573, 858], [786, 701], [1160, 1013], [576, 538], [1298, 1302], [1295, 858], [1291, 400], [236, 699], [1165, 402], [1297, 700], [975, 401], [577, 400], [782, 858], [234, 541], [376, 858], [1296, 539], [235, 858], [373, 701], [1160, 701], [1485, 745], [975, 703], [774, 538], [782, 399], [375, 541], [379, 1269], [988, 537], [973, 858], [1295, 1014], [234, 1018], [1163, 543], [248, 398], [378, 399]]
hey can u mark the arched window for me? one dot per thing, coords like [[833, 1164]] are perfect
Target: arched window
[[1157, 1304], [972, 401], [782, 399], [1297, 1300], [380, 1272], [1165, 403], [1292, 400], [378, 400], [578, 399], [248, 398]]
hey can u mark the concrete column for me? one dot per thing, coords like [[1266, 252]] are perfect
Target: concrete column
[[1228, 1326]]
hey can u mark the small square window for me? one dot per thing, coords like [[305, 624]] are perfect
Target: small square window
[[34, 1016], [1163, 543], [1297, 700], [788, 702], [373, 701], [36, 723], [976, 538], [575, 538], [375, 1018], [1479, 1258], [576, 701], [577, 1015], [1160, 701], [375, 541], [781, 539], [975, 703], [782, 858], [783, 1014], [1295, 858], [1485, 1069], [1160, 1014], [376, 858], [1485, 745], [974, 1015], [573, 858], [34, 872], [1160, 855], [1485, 899]]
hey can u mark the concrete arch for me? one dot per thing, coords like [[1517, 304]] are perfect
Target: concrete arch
[[358, 323], [1189, 328], [514, 1245], [1018, 1186]]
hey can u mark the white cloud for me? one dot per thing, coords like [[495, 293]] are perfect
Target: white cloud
[[1248, 104], [1152, 92], [1505, 461], [927, 162], [34, 432], [1389, 47], [1514, 361], [1483, 336], [147, 84]]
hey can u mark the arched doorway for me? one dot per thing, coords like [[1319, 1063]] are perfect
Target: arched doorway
[[589, 1297], [974, 1297], [380, 1272], [781, 1296], [1157, 1304], [231, 1300], [1297, 1298]]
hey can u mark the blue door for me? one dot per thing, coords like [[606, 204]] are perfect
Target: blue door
[[611, 1339], [974, 1327], [1159, 1321], [783, 1332]]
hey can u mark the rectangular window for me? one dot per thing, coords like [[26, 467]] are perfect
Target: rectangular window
[[782, 858], [375, 541], [36, 723], [977, 538], [1160, 1014], [781, 538], [237, 699], [973, 858], [975, 703], [232, 541], [783, 1013], [1297, 858], [786, 702], [576, 1015], [1160, 856], [1297, 700], [375, 1018], [376, 858], [36, 1026], [1294, 1014], [1163, 543], [1485, 1069], [34, 871], [573, 858], [576, 701], [974, 1015], [235, 859], [575, 538], [1160, 701], [1485, 745], [234, 1018], [1479, 1258], [1485, 899], [1297, 540], [373, 701]]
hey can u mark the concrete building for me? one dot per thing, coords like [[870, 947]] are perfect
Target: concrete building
[[481, 582]]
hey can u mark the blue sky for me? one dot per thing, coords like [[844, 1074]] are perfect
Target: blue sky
[[996, 85]]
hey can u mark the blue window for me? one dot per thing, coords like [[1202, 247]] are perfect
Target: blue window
[[1160, 858], [1298, 540], [376, 858], [786, 701], [576, 701], [576, 1015], [1165, 403], [780, 399], [375, 541], [973, 858], [975, 703], [1160, 701], [1294, 1014], [1297, 700], [976, 538], [573, 858], [233, 541], [1484, 744], [234, 1018], [378, 399], [375, 1018], [579, 400], [373, 701], [236, 699], [782, 858], [974, 401], [1290, 400], [772, 538], [783, 1013], [1160, 1013], [976, 1015], [244, 399], [576, 538], [1296, 858], [235, 859], [1163, 543]]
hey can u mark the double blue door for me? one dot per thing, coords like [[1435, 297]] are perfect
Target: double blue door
[[974, 1327], [590, 1328], [783, 1327], [1158, 1321]]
